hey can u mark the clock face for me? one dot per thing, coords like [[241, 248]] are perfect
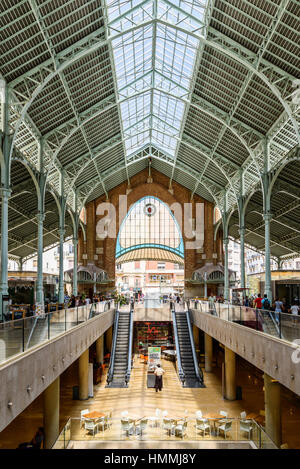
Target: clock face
[[149, 209]]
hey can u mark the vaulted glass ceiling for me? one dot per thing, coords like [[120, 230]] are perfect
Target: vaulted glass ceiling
[[154, 64]]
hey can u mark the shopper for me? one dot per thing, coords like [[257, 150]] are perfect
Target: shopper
[[278, 308], [266, 303], [294, 309], [159, 371], [257, 301]]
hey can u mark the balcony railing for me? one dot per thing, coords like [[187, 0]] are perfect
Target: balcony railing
[[22, 334], [281, 325], [185, 429]]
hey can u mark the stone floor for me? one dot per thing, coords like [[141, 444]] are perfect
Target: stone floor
[[140, 401]]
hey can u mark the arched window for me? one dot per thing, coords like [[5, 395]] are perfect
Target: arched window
[[150, 224]]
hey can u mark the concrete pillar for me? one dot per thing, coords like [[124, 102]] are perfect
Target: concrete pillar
[[273, 409], [230, 378], [226, 273], [75, 289], [39, 275], [196, 337], [108, 338], [268, 283], [208, 348], [100, 349], [51, 414], [61, 294], [83, 371]]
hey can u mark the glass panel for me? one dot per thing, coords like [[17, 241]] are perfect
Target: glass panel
[[154, 65], [26, 333]]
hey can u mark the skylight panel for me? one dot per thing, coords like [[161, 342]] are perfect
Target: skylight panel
[[154, 63]]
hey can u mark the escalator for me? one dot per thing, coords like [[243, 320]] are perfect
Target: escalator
[[188, 369], [121, 355]]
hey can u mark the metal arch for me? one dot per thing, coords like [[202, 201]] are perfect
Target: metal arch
[[76, 56], [83, 229], [215, 115], [31, 170], [293, 155], [168, 161], [96, 155], [216, 228]]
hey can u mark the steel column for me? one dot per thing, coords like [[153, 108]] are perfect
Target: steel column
[[75, 243], [268, 283], [61, 295], [5, 194], [226, 273], [39, 279]]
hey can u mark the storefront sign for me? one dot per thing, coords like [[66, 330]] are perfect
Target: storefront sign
[[154, 354]]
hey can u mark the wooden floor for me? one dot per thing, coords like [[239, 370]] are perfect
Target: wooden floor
[[140, 401]]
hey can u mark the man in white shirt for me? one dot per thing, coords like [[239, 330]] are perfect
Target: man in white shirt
[[159, 371]]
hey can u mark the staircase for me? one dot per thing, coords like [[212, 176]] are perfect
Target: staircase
[[184, 341], [121, 352]]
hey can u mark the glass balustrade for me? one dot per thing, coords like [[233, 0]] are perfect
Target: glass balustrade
[[22, 334], [146, 427], [282, 325]]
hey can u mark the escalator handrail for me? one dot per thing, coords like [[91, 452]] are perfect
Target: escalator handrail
[[180, 370], [130, 341], [196, 366], [113, 348], [274, 322]]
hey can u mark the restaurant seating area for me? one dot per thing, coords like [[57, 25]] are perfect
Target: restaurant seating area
[[162, 426]]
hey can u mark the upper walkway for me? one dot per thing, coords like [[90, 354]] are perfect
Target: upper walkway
[[277, 357]]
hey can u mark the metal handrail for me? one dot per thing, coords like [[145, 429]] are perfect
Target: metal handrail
[[180, 370], [130, 341], [199, 378], [113, 348]]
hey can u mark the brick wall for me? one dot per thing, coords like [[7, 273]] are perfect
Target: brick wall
[[140, 188]]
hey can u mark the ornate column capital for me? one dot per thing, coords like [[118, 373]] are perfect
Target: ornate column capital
[[268, 216], [40, 216], [225, 241], [5, 192], [61, 232]]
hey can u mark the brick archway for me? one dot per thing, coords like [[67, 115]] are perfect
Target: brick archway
[[159, 187]]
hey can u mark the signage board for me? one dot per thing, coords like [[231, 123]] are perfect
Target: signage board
[[154, 355]]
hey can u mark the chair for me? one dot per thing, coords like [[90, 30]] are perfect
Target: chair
[[243, 415], [124, 414], [168, 425], [198, 414], [224, 414], [91, 425], [141, 426], [102, 423], [126, 426], [180, 429], [225, 428], [155, 419], [203, 425], [82, 414], [246, 426], [109, 419], [165, 413]]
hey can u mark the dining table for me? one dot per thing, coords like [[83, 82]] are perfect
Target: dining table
[[213, 417], [94, 415]]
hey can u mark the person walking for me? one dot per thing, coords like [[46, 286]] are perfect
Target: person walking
[[294, 309], [265, 303], [159, 371], [257, 301], [278, 305]]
